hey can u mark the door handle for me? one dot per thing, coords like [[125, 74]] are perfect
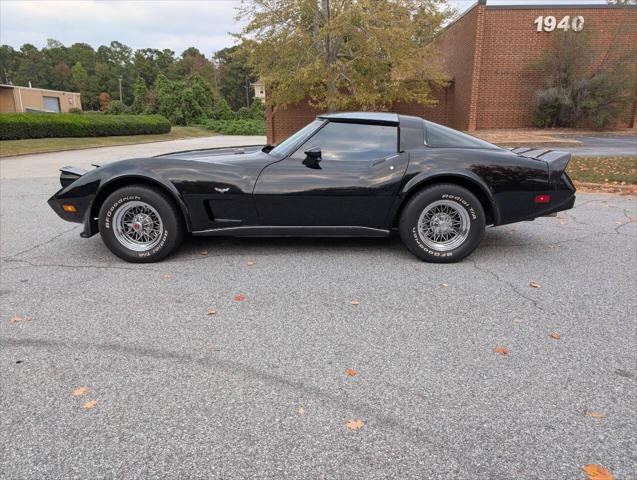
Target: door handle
[[381, 160]]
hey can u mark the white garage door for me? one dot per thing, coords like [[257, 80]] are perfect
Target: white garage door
[[52, 104]]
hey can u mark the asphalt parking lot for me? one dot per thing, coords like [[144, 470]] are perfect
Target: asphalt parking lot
[[260, 389], [605, 145]]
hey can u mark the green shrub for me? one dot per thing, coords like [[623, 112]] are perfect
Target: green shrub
[[117, 108], [579, 91], [77, 111], [244, 114], [16, 126], [551, 107], [257, 109], [237, 127], [222, 110]]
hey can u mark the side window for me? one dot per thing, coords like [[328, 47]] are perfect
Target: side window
[[443, 137], [352, 141]]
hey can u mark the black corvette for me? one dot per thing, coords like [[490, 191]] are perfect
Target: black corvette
[[345, 174]]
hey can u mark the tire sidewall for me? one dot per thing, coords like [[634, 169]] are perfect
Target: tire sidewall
[[171, 236], [463, 198]]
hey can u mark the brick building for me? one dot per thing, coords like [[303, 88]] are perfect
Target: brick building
[[487, 52]]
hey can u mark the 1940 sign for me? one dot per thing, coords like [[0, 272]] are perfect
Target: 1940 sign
[[550, 23]]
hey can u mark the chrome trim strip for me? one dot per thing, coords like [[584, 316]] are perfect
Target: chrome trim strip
[[255, 228]]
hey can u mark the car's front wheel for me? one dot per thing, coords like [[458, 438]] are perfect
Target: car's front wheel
[[140, 224], [443, 223]]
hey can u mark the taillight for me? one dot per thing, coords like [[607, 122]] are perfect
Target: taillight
[[542, 199]]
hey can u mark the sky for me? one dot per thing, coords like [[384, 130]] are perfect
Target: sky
[[173, 24]]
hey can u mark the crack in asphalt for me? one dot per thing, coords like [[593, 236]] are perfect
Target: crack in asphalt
[[630, 220], [38, 245], [575, 220], [515, 289], [63, 265]]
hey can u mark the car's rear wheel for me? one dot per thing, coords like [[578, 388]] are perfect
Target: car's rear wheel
[[140, 224], [443, 223]]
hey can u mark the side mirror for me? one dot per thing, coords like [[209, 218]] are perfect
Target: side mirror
[[312, 158], [314, 153]]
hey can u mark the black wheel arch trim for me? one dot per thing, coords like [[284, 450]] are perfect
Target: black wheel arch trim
[[448, 176], [120, 181]]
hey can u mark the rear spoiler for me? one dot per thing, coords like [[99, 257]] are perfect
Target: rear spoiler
[[69, 175], [556, 160]]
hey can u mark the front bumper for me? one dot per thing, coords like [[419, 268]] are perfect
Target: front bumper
[[82, 212]]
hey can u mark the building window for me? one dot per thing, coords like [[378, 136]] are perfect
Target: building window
[[51, 104]]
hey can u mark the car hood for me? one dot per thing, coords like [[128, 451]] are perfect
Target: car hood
[[216, 155]]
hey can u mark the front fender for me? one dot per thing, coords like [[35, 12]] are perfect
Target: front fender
[[114, 182]]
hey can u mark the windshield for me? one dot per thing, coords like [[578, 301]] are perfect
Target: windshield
[[287, 146]]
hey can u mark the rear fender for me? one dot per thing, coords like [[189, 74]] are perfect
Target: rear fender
[[555, 159], [463, 178]]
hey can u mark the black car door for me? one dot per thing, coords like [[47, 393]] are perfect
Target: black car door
[[346, 174]]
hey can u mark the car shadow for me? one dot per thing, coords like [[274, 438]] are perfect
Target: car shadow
[[254, 247]]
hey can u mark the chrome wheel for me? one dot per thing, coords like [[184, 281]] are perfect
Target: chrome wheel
[[137, 226], [444, 225]]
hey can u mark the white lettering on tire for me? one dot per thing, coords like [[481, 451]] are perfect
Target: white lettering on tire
[[462, 201], [109, 213]]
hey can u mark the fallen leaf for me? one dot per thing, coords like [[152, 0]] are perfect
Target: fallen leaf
[[534, 284], [300, 411], [596, 472], [211, 312], [355, 302], [555, 336], [250, 264], [350, 372], [501, 350], [167, 276], [79, 391], [90, 404], [354, 424], [444, 285], [18, 318], [588, 413], [239, 298], [204, 253]]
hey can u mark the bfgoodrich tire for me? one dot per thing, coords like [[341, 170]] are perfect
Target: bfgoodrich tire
[[140, 224], [443, 223]]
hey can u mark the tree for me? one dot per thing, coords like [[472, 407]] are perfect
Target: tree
[[105, 101], [8, 63], [366, 54], [193, 61], [85, 85], [140, 96], [234, 73], [582, 89]]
